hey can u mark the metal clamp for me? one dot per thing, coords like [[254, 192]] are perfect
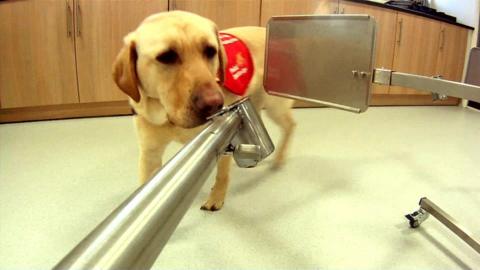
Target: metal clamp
[[247, 155], [252, 143], [416, 218], [382, 76]]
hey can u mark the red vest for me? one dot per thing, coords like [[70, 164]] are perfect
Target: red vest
[[239, 65]]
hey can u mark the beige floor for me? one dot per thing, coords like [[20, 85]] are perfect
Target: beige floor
[[337, 204]]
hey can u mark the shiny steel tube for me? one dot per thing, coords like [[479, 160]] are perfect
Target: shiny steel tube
[[434, 85], [133, 235], [450, 223]]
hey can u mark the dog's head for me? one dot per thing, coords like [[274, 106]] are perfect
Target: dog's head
[[173, 57]]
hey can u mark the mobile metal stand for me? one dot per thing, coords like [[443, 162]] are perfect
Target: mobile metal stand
[[133, 235], [329, 60], [428, 207], [438, 88]]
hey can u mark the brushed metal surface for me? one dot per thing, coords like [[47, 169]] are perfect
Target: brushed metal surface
[[326, 59], [473, 69], [134, 234]]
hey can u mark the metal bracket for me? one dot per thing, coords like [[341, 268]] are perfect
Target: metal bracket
[[251, 143], [416, 218], [382, 76]]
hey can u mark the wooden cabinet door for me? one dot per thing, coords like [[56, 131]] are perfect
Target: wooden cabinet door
[[37, 56], [452, 48], [225, 13], [386, 21], [99, 29], [416, 49], [296, 7]]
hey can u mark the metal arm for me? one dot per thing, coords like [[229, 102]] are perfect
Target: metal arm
[[432, 84], [133, 235]]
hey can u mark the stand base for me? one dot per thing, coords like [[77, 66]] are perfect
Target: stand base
[[427, 207]]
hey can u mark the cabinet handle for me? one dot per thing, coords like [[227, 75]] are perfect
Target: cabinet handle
[[400, 30], [78, 16], [442, 39], [69, 18]]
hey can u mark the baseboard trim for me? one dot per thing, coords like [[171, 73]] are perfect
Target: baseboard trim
[[410, 100], [393, 100], [114, 108], [65, 111]]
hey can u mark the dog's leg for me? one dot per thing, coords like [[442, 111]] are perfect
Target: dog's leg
[[219, 190], [150, 161], [153, 142], [281, 114]]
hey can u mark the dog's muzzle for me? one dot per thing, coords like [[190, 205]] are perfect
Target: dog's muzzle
[[207, 99]]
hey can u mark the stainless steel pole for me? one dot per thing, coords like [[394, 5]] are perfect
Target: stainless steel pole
[[133, 235], [434, 85], [450, 223]]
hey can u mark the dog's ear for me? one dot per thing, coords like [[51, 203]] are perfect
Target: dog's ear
[[125, 71], [222, 60]]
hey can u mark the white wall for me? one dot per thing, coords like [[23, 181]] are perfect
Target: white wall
[[466, 11]]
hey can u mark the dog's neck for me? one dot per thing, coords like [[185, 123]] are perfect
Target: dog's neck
[[151, 109]]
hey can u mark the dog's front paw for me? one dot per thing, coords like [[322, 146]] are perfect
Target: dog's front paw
[[278, 162], [213, 204]]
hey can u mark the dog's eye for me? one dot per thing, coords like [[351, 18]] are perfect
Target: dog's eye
[[169, 57], [210, 52]]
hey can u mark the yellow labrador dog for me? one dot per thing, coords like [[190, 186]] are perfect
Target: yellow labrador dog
[[169, 68]]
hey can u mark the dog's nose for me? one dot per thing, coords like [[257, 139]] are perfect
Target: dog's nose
[[207, 99]]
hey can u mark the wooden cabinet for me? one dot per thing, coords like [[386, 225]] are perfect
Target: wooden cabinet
[[37, 65], [452, 50], [56, 55], [386, 28], [225, 13], [413, 44], [296, 7], [416, 49], [430, 48], [99, 30]]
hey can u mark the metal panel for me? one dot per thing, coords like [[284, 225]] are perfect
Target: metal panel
[[473, 69], [326, 59], [473, 72]]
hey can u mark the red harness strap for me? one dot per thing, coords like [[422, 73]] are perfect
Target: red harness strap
[[239, 65]]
